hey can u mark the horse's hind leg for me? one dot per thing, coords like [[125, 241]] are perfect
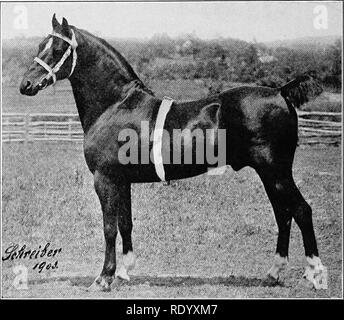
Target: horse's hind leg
[[277, 186], [288, 203], [125, 226], [115, 200]]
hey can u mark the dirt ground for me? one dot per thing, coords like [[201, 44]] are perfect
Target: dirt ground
[[205, 237]]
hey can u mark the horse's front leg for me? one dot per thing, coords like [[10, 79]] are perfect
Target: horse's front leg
[[114, 198], [125, 226]]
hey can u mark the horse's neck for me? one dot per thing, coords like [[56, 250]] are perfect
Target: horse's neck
[[101, 78]]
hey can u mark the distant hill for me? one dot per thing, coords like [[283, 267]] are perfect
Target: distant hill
[[304, 44]]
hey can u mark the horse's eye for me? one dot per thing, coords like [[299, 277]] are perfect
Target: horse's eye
[[57, 52]]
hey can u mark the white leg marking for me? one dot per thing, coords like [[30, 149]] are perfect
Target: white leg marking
[[128, 264], [122, 273], [278, 265], [316, 273], [129, 260]]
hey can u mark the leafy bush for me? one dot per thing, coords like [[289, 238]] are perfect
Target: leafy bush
[[270, 81], [190, 58]]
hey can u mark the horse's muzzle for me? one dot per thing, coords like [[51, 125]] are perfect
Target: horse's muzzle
[[28, 88]]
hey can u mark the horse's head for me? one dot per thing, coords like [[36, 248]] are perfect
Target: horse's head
[[56, 59]]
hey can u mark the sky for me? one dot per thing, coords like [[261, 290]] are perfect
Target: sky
[[259, 21]]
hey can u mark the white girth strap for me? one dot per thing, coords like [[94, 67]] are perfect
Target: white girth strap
[[72, 46], [157, 136]]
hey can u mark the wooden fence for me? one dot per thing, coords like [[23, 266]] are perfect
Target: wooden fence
[[314, 127], [18, 127], [320, 128]]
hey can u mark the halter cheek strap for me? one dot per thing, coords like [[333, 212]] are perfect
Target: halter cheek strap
[[72, 46], [51, 72]]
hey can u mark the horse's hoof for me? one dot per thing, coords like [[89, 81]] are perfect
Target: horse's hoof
[[270, 281], [317, 277], [100, 285], [117, 283]]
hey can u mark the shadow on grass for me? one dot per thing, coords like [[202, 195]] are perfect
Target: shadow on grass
[[170, 281]]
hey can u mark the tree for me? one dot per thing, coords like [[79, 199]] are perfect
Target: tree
[[250, 55], [335, 54]]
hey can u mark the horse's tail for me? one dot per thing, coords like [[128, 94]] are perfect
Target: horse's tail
[[300, 90]]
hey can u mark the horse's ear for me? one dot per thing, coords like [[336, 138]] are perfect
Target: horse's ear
[[64, 22], [65, 27], [54, 21]]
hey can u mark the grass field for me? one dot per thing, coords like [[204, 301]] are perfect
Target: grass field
[[207, 237]]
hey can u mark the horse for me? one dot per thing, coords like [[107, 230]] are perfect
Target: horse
[[260, 128]]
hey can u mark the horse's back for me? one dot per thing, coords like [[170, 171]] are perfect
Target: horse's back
[[247, 100], [248, 96]]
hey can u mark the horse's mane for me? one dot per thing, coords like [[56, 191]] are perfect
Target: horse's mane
[[117, 57]]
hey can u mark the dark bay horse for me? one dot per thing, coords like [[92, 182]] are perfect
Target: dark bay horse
[[259, 125]]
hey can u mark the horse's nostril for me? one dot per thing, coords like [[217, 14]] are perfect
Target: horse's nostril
[[25, 86], [28, 84]]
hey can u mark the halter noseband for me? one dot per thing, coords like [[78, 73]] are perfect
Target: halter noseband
[[72, 46]]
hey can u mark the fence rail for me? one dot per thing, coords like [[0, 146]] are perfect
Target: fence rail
[[42, 127], [314, 127], [320, 128]]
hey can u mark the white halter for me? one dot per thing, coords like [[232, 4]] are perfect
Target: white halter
[[72, 46]]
